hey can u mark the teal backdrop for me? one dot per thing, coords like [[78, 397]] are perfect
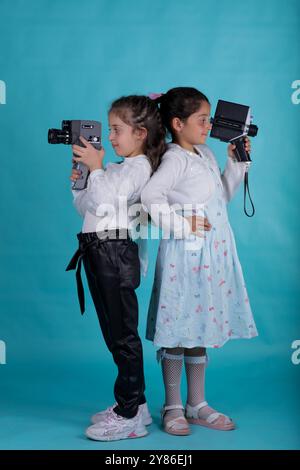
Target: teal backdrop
[[68, 59]]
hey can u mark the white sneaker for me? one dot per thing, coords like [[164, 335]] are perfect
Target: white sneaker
[[146, 417], [114, 427]]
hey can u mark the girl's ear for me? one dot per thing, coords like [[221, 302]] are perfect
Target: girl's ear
[[141, 133], [177, 124]]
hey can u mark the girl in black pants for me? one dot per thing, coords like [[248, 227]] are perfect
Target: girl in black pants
[[110, 256]]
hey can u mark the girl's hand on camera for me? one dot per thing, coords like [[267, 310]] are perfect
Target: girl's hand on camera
[[75, 175], [88, 155], [198, 225], [231, 147]]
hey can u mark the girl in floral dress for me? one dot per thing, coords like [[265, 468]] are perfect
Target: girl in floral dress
[[199, 299]]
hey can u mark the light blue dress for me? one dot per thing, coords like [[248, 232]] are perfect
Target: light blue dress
[[199, 297]]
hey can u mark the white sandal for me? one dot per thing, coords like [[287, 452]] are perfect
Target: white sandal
[[176, 426], [192, 416]]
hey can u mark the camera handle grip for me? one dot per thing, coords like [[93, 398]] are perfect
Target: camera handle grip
[[81, 183], [240, 152]]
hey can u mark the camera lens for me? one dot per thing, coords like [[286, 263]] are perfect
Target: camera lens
[[253, 129], [57, 136]]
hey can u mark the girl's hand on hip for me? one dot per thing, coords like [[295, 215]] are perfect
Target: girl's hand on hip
[[198, 225], [231, 147], [88, 155]]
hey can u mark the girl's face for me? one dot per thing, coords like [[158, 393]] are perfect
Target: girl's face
[[195, 129], [126, 141]]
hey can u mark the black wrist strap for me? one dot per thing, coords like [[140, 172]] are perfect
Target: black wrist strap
[[246, 190]]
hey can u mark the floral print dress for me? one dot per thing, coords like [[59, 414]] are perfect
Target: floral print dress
[[199, 297]]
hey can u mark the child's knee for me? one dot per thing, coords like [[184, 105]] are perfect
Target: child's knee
[[194, 351], [175, 351]]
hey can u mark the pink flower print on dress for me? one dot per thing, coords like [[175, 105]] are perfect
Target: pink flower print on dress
[[196, 269], [214, 320], [206, 266], [211, 309], [172, 265], [221, 282], [199, 309], [209, 278], [223, 241], [230, 332], [216, 245], [215, 346], [225, 253], [173, 278], [246, 300]]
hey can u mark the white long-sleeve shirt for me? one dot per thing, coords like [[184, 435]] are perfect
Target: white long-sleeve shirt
[[104, 203], [183, 179]]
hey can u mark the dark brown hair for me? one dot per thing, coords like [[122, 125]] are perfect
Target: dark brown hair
[[139, 111], [179, 102]]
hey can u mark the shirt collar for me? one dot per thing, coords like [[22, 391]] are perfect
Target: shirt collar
[[129, 160], [172, 145]]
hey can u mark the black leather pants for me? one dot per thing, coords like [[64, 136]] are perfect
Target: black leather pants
[[113, 273]]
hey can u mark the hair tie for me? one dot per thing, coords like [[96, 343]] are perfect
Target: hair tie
[[155, 96]]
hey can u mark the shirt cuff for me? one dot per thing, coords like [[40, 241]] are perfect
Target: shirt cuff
[[76, 192], [96, 173]]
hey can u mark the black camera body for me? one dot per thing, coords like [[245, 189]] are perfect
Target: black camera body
[[232, 123], [69, 134]]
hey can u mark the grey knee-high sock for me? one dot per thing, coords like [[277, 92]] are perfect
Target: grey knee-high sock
[[172, 371], [195, 374]]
